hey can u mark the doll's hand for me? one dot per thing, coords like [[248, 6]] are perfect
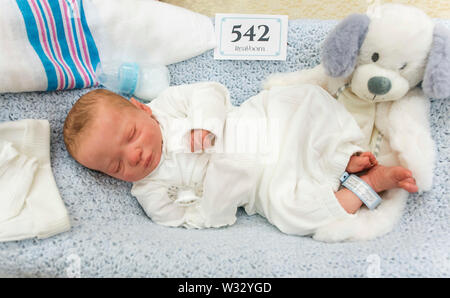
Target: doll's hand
[[201, 139], [361, 161]]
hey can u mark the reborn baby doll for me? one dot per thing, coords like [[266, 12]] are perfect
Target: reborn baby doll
[[194, 158]]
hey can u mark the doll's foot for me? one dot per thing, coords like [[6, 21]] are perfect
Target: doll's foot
[[361, 161], [382, 178]]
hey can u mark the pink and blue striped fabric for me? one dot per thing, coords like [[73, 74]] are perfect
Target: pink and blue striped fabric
[[59, 33]]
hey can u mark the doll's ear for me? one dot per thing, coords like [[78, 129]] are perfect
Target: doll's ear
[[141, 106], [436, 81], [341, 47]]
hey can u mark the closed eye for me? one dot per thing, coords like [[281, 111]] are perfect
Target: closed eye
[[118, 168], [132, 134], [403, 66]]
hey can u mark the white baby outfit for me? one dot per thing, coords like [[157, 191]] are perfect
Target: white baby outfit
[[280, 154]]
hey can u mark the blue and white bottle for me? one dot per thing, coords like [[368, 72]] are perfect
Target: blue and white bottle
[[143, 81]]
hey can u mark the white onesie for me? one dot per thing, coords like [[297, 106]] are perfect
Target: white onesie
[[280, 154]]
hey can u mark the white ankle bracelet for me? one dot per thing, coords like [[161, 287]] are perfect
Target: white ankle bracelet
[[361, 189]]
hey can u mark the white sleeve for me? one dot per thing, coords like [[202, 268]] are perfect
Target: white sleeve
[[164, 205], [201, 105]]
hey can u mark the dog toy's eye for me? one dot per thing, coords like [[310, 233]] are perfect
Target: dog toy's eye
[[403, 66], [375, 57]]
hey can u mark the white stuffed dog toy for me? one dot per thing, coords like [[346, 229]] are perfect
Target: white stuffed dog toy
[[374, 63]]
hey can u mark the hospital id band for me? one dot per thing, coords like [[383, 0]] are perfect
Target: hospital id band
[[361, 189]]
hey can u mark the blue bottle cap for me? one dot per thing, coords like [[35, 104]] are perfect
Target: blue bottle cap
[[128, 77]]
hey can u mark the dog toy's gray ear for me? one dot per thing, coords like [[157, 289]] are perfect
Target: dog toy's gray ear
[[436, 81], [341, 47]]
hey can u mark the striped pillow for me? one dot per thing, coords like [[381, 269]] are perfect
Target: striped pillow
[[59, 34], [57, 44]]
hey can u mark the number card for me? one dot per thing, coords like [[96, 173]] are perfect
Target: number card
[[251, 36]]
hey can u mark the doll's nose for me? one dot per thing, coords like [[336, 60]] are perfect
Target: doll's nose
[[379, 85], [135, 156]]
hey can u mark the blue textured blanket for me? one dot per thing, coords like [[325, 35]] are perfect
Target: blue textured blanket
[[112, 237]]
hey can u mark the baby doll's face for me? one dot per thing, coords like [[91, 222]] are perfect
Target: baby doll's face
[[122, 142]]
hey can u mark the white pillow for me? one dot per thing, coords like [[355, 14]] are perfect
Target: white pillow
[[49, 47], [146, 31]]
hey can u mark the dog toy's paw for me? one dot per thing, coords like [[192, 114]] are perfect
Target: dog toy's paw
[[424, 182]]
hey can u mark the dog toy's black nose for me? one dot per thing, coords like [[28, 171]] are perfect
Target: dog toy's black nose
[[379, 85]]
